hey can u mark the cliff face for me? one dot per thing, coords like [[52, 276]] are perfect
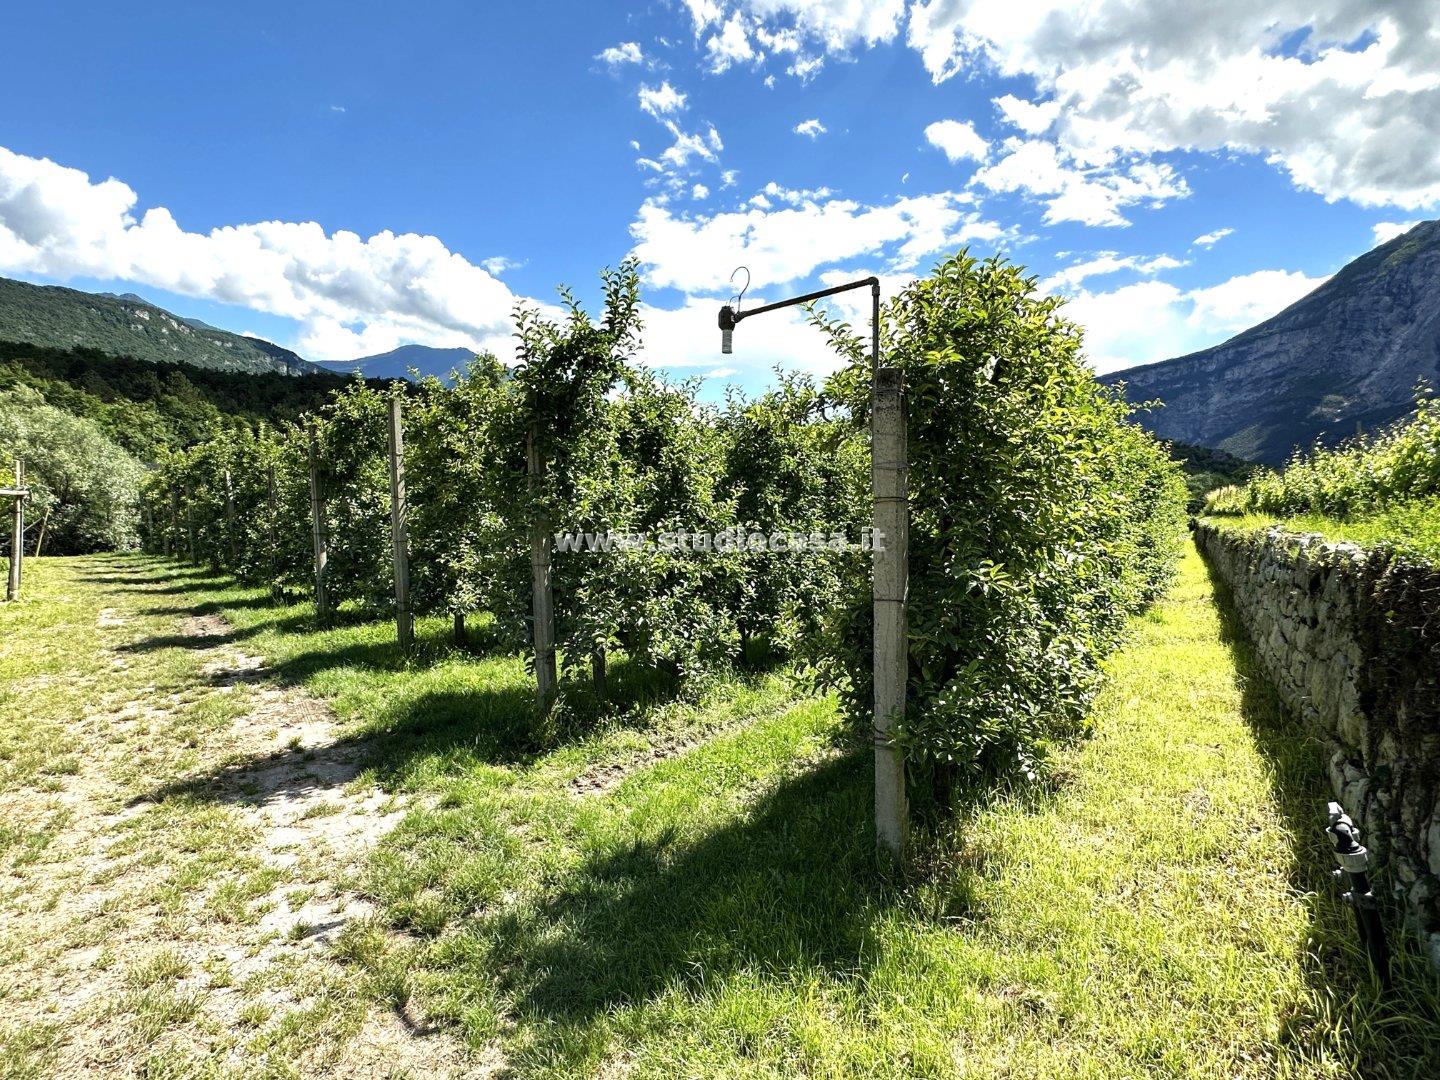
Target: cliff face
[[1344, 358]]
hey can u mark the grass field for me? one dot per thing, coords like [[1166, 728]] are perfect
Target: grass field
[[237, 845], [1411, 527]]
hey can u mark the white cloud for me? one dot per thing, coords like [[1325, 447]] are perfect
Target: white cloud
[[730, 46], [703, 12], [1073, 192], [1352, 111], [1343, 95], [662, 100], [687, 337], [958, 139], [627, 52], [721, 373], [838, 25], [689, 145], [806, 68], [1154, 320], [1385, 231], [811, 231], [1108, 262], [811, 128], [1210, 239], [1243, 301], [1031, 117], [350, 295], [699, 191]]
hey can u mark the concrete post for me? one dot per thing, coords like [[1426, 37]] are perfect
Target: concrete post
[[399, 530], [888, 473]]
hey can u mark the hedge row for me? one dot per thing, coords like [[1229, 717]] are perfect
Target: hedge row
[[1041, 517]]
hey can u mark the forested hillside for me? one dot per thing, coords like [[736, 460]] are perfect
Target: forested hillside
[[54, 316], [148, 407]]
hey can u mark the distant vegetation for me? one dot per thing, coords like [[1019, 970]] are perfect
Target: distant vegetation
[[84, 487], [51, 315], [1382, 489], [1207, 469], [150, 407]]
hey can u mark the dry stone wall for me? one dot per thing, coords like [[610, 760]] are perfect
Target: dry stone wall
[[1350, 638]]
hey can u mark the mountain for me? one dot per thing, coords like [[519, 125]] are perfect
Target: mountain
[[396, 363], [1344, 358], [56, 317]]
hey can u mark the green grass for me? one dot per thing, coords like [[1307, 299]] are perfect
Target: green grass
[[687, 886], [1412, 528]]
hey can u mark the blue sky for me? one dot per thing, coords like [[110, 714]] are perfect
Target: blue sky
[[346, 178]]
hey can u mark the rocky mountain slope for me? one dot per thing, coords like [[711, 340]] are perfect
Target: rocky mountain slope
[[57, 317], [1344, 358]]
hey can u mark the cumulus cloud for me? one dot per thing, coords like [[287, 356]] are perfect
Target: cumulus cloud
[[1352, 111], [1210, 239], [1107, 262], [1385, 231], [730, 46], [837, 25], [958, 139], [808, 232], [1154, 320], [350, 295], [1031, 117], [1073, 192], [1343, 95], [686, 337], [811, 128], [661, 100], [627, 52]]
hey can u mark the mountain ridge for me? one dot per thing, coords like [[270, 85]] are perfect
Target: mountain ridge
[[1345, 357], [56, 316]]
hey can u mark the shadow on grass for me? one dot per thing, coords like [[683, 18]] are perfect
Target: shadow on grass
[[788, 889], [1387, 1036]]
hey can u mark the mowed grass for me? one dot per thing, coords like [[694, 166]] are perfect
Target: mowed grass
[[687, 887]]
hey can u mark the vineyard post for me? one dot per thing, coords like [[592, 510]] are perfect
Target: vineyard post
[[149, 544], [171, 532], [399, 533], [230, 517], [317, 522], [17, 533], [891, 537], [189, 524], [272, 524], [543, 598]]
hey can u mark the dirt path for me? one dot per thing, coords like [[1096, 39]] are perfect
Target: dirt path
[[198, 872]]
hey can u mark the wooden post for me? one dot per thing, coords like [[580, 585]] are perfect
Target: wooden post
[[174, 529], [460, 628], [597, 672], [543, 597], [399, 529], [230, 518], [317, 521], [190, 525], [40, 540], [272, 526], [891, 537], [17, 534]]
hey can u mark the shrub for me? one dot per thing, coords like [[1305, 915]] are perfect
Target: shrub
[[1362, 475], [84, 487]]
